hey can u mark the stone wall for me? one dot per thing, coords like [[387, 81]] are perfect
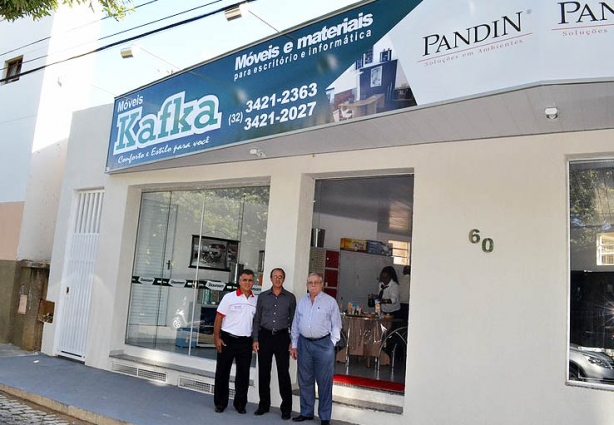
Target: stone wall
[[8, 303], [24, 283]]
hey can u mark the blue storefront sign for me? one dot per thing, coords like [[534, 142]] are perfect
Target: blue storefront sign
[[381, 56], [280, 85]]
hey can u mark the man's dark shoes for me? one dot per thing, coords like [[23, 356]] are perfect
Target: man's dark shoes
[[219, 409], [325, 422], [301, 418], [260, 411], [285, 416], [242, 410]]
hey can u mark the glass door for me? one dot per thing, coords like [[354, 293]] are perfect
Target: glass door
[[189, 243]]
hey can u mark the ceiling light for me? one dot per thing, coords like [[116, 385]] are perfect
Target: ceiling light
[[551, 113], [258, 153]]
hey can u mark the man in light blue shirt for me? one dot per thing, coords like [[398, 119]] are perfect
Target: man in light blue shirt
[[316, 328]]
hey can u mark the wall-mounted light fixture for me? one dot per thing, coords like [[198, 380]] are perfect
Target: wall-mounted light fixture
[[552, 113], [133, 50], [258, 153], [128, 52], [236, 11], [239, 10]]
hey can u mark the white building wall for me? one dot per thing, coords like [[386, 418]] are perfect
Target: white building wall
[[42, 197], [19, 105], [62, 92], [341, 227], [78, 177], [18, 110], [36, 114], [488, 331]]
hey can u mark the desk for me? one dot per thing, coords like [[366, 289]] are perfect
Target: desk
[[365, 335], [361, 108]]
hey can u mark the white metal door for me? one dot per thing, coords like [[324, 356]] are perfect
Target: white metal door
[[81, 255]]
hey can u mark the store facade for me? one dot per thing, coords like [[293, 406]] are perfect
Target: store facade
[[494, 239]]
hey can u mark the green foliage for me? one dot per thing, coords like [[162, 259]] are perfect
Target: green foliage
[[225, 210], [37, 9], [582, 196], [591, 204]]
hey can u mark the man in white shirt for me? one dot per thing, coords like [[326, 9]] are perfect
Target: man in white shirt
[[232, 333]]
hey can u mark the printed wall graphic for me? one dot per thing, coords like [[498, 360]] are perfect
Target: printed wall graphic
[[213, 253], [376, 76], [379, 56]]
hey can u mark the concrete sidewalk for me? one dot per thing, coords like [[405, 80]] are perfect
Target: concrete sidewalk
[[104, 397]]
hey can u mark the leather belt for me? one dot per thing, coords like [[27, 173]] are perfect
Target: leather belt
[[316, 339], [274, 332], [224, 333]]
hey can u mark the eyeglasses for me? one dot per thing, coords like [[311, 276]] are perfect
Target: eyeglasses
[[277, 276], [314, 283]]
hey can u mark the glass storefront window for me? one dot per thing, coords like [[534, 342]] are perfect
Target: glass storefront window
[[190, 246], [591, 309]]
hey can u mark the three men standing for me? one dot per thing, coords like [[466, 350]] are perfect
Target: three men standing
[[271, 335], [315, 324]]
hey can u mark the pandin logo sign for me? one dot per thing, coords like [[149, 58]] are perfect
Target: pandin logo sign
[[574, 12], [443, 43]]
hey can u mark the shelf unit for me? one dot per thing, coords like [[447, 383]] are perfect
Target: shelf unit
[[326, 262]]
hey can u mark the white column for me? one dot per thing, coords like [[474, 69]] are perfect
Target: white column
[[287, 242], [289, 229]]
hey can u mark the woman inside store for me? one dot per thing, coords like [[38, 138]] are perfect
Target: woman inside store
[[389, 292]]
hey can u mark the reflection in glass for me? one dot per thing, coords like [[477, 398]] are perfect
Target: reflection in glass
[[591, 197], [172, 299]]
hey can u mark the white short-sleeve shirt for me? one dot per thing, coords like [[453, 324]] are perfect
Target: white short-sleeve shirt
[[238, 312]]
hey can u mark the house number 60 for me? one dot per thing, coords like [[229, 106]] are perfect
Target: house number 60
[[488, 245]]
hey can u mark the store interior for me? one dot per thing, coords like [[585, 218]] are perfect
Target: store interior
[[361, 225], [173, 302]]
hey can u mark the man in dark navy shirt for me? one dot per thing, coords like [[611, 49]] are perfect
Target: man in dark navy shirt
[[273, 319]]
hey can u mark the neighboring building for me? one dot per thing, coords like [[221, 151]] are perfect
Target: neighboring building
[[490, 150], [39, 93]]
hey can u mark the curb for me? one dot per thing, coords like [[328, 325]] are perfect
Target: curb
[[65, 409]]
